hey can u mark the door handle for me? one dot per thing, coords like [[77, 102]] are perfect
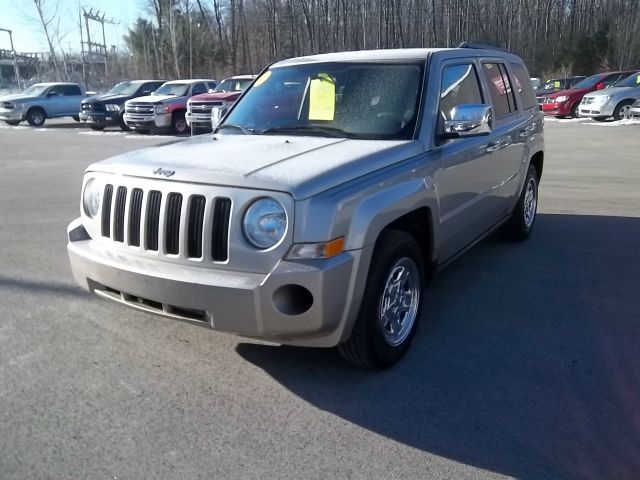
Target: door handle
[[525, 132], [498, 145]]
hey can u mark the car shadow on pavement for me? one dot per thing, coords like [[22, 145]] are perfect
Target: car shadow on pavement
[[526, 362]]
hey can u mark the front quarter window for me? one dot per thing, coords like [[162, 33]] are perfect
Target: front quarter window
[[338, 99]]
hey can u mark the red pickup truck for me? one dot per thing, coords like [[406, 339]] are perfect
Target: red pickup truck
[[565, 102], [199, 107]]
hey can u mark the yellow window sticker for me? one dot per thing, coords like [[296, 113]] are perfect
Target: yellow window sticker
[[263, 78], [322, 98], [638, 79], [556, 84]]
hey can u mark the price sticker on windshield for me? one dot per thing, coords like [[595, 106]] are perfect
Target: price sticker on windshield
[[638, 79], [322, 98], [556, 84]]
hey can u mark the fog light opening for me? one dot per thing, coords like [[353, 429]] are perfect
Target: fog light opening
[[292, 299]]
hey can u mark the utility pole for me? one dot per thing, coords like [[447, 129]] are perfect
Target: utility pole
[[94, 52], [16, 68]]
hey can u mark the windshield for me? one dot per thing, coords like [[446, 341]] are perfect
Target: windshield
[[124, 88], [589, 81], [230, 85], [551, 84], [632, 80], [35, 90], [354, 100], [177, 89]]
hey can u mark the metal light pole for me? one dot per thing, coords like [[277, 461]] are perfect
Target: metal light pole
[[16, 68]]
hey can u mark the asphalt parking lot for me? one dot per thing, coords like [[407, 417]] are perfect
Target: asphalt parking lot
[[526, 363]]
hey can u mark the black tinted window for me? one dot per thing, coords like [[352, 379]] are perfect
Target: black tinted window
[[71, 90], [611, 79], [198, 88], [499, 89], [523, 84], [459, 86]]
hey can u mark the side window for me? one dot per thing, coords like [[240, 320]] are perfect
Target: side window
[[198, 88], [212, 85], [71, 90], [523, 84], [499, 88], [611, 79], [55, 91], [459, 86]]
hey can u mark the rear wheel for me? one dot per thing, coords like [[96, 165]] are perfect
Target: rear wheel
[[622, 110], [391, 304], [36, 117], [179, 124], [520, 225]]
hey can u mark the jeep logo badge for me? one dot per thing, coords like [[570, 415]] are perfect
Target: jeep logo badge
[[167, 172]]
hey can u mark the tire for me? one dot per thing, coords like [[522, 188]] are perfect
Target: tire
[[599, 119], [97, 128], [13, 123], [36, 117], [621, 108], [520, 224], [123, 126], [574, 110], [373, 344], [76, 117], [179, 124]]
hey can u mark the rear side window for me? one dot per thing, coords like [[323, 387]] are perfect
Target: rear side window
[[71, 90], [459, 86], [198, 88], [611, 79], [523, 84], [500, 90]]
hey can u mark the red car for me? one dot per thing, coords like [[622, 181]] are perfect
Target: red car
[[565, 102], [222, 97]]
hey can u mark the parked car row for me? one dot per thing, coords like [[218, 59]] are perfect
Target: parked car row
[[140, 105], [599, 96]]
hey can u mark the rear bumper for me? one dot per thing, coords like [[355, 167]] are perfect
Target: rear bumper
[[255, 305]]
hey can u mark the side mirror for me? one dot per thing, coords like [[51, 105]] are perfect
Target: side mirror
[[469, 120], [600, 86]]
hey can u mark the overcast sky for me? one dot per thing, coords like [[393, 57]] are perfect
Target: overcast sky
[[21, 17]]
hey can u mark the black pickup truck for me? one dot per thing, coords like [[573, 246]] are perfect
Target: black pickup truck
[[107, 109]]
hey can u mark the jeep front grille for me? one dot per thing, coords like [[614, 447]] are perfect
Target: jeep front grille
[[174, 224]]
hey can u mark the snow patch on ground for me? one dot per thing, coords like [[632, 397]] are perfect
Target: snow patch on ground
[[620, 123], [114, 134], [565, 120]]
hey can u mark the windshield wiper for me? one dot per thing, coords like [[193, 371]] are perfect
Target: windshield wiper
[[330, 131], [242, 128]]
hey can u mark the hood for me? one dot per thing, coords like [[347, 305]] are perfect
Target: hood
[[16, 97], [217, 96], [157, 99], [571, 92], [300, 165], [633, 91], [547, 91], [107, 98]]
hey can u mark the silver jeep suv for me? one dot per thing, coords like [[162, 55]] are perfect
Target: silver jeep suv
[[316, 212]]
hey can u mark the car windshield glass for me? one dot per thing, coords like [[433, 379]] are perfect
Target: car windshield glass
[[632, 80], [177, 89], [551, 84], [34, 90], [230, 85], [589, 81], [354, 100], [124, 88]]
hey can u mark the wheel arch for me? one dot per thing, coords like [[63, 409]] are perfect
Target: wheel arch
[[537, 160]]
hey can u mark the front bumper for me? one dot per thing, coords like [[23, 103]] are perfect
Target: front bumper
[[198, 120], [12, 115], [147, 122], [100, 118], [271, 306], [593, 110], [556, 109]]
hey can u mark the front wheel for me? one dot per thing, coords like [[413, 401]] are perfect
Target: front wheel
[[622, 110], [97, 128], [76, 117], [520, 225], [123, 126], [179, 124], [36, 117], [391, 304], [575, 113]]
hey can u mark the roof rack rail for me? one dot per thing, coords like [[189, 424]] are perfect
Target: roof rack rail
[[481, 46]]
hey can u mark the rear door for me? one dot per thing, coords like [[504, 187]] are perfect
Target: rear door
[[71, 99]]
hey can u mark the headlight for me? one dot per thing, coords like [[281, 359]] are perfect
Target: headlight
[[91, 197], [602, 99], [561, 99], [112, 107], [264, 223], [162, 109]]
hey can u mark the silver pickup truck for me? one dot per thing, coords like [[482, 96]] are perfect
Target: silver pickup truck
[[319, 208], [42, 101]]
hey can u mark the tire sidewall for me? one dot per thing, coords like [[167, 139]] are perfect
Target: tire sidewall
[[617, 113], [30, 115], [531, 175], [179, 117], [385, 354]]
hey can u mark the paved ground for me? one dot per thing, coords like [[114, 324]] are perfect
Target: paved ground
[[526, 364]]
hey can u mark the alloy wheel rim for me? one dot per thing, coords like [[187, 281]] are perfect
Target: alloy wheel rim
[[530, 203], [37, 118], [181, 126], [625, 112], [399, 302]]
